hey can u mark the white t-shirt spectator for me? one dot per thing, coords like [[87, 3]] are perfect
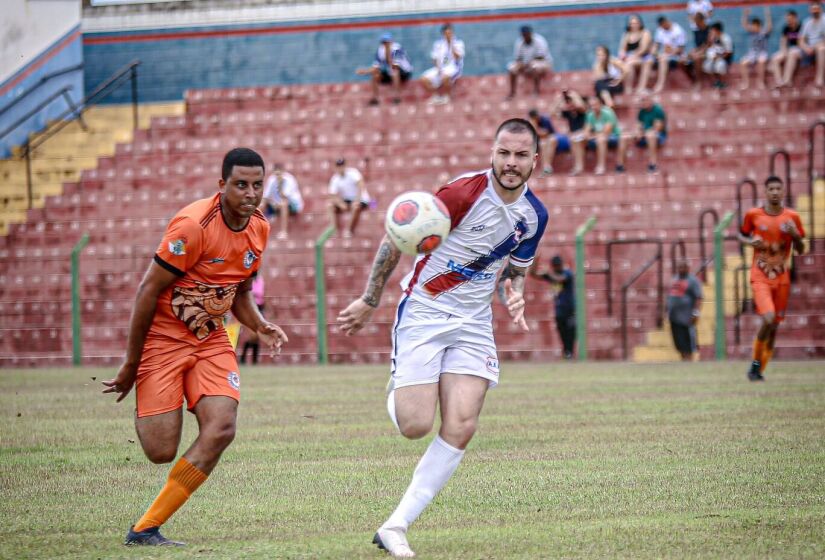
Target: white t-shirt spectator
[[288, 187], [397, 56], [446, 54], [674, 37], [346, 185], [813, 30], [524, 53], [723, 46], [704, 7]]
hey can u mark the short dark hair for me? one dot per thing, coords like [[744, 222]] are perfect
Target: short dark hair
[[756, 21], [243, 157], [718, 26], [517, 126], [774, 179], [556, 260], [661, 19], [533, 113], [446, 26], [793, 13], [526, 29]]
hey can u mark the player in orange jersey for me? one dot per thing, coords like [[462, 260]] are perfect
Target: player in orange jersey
[[177, 346], [771, 230]]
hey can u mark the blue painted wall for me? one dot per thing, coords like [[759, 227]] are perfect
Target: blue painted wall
[[169, 67], [50, 61]]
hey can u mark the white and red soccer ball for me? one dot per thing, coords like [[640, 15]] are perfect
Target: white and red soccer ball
[[417, 222]]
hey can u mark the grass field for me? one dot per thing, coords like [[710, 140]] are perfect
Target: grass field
[[574, 461]]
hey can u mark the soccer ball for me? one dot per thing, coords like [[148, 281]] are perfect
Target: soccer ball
[[417, 222]]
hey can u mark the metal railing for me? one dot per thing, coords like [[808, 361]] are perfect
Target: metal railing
[[43, 80], [812, 175], [755, 200], [704, 260], [62, 92], [678, 244], [772, 171], [740, 296], [657, 258], [608, 269]]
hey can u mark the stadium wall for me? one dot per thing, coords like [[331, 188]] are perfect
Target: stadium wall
[[175, 59], [37, 38]]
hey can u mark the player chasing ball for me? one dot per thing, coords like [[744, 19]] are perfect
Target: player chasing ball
[[772, 231], [443, 351], [177, 346]]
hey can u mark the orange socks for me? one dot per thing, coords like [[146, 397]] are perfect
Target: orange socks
[[758, 349], [184, 478], [767, 354]]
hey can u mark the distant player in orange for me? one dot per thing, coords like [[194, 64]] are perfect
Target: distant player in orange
[[177, 346], [771, 230]]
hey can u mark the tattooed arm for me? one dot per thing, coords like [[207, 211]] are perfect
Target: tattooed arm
[[357, 313], [513, 279]]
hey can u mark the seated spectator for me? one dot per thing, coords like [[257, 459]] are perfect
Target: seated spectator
[[448, 57], [650, 133], [531, 57], [696, 56], [668, 47], [390, 66], [601, 131], [347, 191], [789, 42], [718, 54], [697, 8], [550, 141], [757, 48], [633, 49], [573, 108], [608, 73], [812, 44], [281, 198]]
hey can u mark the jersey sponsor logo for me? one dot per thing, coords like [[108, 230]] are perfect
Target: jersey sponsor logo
[[492, 365], [217, 260], [234, 380], [249, 258], [178, 247], [471, 275], [479, 227]]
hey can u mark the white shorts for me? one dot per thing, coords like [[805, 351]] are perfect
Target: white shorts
[[715, 66], [448, 72], [752, 57], [536, 66], [427, 342]]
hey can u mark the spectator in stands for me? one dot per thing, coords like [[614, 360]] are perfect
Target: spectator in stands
[[633, 49], [391, 65], [563, 281], [697, 8], [252, 343], [812, 44], [282, 198], [788, 43], [601, 131], [684, 304], [531, 57], [550, 141], [347, 191], [608, 73], [696, 56], [448, 60], [718, 54], [757, 48], [650, 133], [573, 108], [668, 47]]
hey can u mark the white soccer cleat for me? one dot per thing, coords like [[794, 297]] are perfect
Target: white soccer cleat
[[394, 541]]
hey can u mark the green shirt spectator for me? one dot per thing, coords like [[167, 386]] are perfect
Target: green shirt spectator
[[648, 116], [598, 122]]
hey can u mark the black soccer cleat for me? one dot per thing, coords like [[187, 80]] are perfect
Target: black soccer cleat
[[754, 374], [148, 537]]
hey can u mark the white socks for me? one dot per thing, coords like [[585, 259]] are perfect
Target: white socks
[[433, 471], [391, 409]]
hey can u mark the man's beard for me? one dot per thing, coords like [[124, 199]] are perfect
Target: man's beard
[[505, 187]]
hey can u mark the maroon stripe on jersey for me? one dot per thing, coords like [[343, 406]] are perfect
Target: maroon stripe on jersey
[[210, 216], [444, 282], [419, 266], [460, 195]]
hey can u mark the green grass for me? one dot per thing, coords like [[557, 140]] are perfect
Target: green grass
[[571, 461]]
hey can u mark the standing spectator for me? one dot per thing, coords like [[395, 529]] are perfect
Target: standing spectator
[[788, 43], [563, 282], [718, 54], [391, 65], [608, 73], [811, 45], [601, 131], [252, 341], [550, 141], [448, 57], [633, 49], [696, 8], [282, 198], [684, 304], [531, 57], [347, 191], [696, 56], [668, 47], [650, 133], [757, 48]]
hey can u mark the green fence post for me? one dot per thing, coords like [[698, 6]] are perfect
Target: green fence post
[[719, 274], [77, 346], [321, 295], [581, 295]]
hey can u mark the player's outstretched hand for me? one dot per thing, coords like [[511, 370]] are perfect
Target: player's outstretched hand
[[354, 317], [123, 381], [273, 336], [515, 305]]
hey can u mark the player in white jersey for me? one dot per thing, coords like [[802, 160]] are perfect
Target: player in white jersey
[[443, 348]]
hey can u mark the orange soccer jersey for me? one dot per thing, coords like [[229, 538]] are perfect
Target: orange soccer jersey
[[187, 351]]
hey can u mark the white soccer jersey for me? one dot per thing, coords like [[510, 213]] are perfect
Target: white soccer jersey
[[460, 276]]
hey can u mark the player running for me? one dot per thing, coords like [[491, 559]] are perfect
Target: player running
[[771, 230], [177, 346], [443, 352]]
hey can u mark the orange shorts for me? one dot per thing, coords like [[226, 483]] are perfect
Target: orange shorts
[[170, 371], [771, 298]]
